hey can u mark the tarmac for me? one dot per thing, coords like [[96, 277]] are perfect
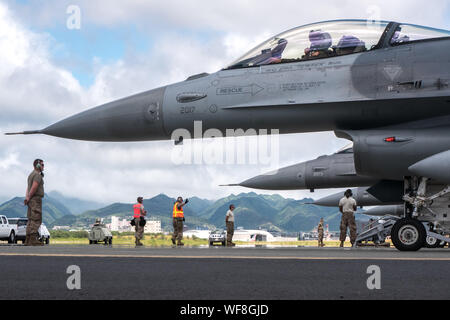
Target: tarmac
[[239, 273]]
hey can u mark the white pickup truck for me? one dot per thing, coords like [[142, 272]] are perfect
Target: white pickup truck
[[8, 231], [21, 230]]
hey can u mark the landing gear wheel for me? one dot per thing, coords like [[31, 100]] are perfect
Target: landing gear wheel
[[431, 242], [110, 241], [408, 235]]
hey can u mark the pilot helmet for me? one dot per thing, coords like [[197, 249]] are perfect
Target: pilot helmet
[[350, 43], [319, 40]]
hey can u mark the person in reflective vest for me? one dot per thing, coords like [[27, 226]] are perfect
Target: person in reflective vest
[[139, 213], [178, 219]]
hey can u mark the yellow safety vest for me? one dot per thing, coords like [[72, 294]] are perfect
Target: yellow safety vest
[[177, 213]]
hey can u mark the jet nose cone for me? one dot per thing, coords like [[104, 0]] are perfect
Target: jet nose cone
[[136, 118], [331, 200], [289, 178]]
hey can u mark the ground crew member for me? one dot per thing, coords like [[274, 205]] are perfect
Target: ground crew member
[[229, 221], [320, 232], [139, 214], [347, 206], [33, 199], [178, 219]]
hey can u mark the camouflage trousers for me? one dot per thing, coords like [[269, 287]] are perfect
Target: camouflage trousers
[[320, 238], [348, 221], [177, 229], [230, 231], [139, 231], [34, 215]]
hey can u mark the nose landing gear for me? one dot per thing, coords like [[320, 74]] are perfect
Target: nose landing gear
[[408, 234]]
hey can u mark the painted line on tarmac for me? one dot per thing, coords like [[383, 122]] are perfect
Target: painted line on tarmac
[[221, 257]]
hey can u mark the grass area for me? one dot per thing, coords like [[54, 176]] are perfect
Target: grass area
[[162, 240], [165, 240], [127, 239]]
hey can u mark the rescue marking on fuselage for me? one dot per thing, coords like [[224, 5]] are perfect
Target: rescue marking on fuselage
[[252, 89]]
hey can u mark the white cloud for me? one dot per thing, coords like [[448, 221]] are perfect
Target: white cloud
[[36, 91], [235, 16]]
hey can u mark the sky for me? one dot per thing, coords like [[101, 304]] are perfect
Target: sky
[[49, 71]]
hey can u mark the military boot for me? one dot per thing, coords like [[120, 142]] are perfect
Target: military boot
[[179, 243], [342, 244], [173, 241], [27, 240], [34, 241]]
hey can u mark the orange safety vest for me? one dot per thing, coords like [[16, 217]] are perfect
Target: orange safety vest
[[177, 213], [137, 210]]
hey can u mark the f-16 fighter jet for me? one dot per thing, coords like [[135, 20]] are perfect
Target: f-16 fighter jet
[[382, 85]]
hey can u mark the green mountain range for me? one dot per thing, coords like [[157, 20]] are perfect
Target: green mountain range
[[75, 206], [253, 211], [52, 209]]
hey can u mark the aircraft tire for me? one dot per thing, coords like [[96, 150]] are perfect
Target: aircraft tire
[[432, 243], [408, 235]]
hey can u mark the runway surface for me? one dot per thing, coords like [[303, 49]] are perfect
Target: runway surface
[[122, 272]]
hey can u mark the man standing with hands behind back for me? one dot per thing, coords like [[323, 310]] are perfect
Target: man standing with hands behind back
[[347, 206], [33, 199], [229, 220]]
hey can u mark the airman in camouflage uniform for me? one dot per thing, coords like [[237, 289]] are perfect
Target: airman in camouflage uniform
[[229, 221], [33, 199], [178, 219], [320, 231], [139, 214], [347, 206]]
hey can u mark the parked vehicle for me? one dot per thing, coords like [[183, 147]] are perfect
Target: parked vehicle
[[217, 236], [100, 233], [21, 227], [8, 231]]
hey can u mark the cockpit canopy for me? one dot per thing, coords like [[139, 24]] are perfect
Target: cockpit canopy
[[330, 39], [405, 33]]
